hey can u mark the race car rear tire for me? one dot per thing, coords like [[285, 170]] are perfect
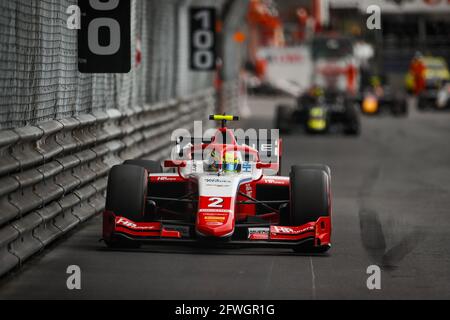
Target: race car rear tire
[[126, 197], [422, 103], [352, 125], [399, 107], [150, 165], [283, 118], [310, 198]]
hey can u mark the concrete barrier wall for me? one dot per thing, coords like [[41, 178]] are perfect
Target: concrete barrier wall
[[53, 176]]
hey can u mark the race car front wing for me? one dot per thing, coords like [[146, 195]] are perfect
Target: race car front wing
[[174, 232]]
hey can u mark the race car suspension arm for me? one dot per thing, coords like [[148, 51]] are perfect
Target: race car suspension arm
[[263, 203], [172, 199], [184, 199]]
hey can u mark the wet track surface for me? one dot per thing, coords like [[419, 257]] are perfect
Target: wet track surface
[[391, 190]]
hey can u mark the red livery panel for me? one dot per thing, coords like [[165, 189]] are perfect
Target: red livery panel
[[215, 216]]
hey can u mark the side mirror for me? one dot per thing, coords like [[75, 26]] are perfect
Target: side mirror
[[261, 165], [175, 164], [151, 206]]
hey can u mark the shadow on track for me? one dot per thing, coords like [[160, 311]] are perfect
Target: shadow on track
[[209, 250]]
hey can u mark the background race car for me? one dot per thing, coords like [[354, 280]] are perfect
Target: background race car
[[319, 112], [379, 98], [428, 75]]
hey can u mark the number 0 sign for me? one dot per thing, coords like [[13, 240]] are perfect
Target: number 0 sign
[[203, 39], [104, 40]]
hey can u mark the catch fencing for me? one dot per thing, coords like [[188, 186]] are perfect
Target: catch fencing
[[39, 78], [61, 131]]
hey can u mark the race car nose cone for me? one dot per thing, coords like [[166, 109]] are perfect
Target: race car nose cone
[[215, 224]]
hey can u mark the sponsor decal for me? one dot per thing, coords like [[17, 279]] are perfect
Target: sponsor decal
[[286, 58], [290, 230], [182, 230], [247, 167], [213, 219], [120, 221], [166, 179], [292, 233], [211, 185], [214, 211], [218, 180], [258, 233], [170, 234], [281, 182], [125, 222]]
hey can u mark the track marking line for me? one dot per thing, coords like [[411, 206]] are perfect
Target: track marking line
[[269, 277], [313, 278]]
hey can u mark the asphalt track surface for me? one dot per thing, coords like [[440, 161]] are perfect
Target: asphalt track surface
[[391, 190]]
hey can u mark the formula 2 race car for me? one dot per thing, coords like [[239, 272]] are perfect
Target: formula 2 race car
[[434, 76], [220, 192], [319, 112], [443, 97], [377, 98]]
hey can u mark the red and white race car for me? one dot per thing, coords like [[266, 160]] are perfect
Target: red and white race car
[[219, 191]]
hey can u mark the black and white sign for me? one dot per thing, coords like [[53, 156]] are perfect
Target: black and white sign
[[104, 40], [203, 39]]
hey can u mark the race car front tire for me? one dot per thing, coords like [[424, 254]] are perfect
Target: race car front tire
[[126, 197], [422, 103], [399, 107], [316, 167], [310, 198], [283, 118], [352, 125], [150, 165]]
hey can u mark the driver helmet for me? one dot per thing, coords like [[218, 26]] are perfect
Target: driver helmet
[[375, 81], [231, 162], [316, 92]]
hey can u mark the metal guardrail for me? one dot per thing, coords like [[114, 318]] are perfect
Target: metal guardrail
[[53, 176]]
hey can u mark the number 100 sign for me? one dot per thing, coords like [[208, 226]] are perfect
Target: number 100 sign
[[203, 38], [104, 39]]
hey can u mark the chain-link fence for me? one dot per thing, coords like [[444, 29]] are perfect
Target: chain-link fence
[[39, 78]]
